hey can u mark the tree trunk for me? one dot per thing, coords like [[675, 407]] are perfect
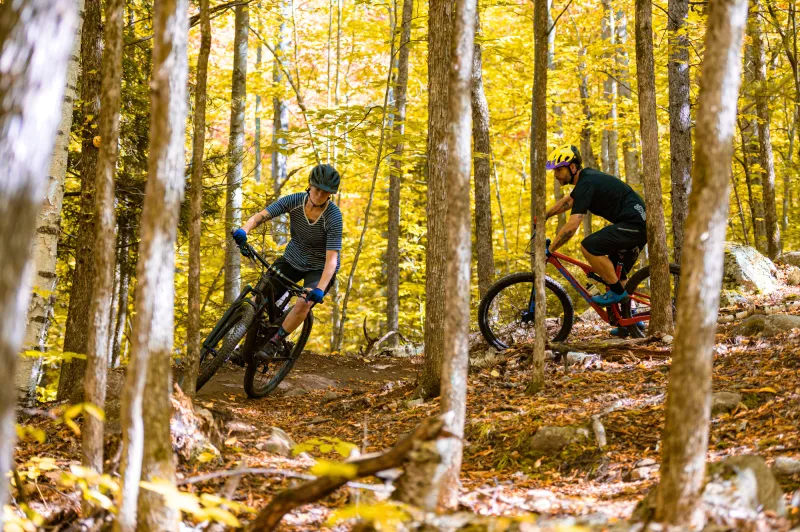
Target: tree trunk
[[395, 180], [685, 437], [557, 111], [539, 185], [483, 172], [76, 333], [630, 150], [105, 242], [680, 132], [233, 205], [661, 313], [195, 226], [459, 252], [257, 140], [147, 450], [48, 228], [123, 262], [610, 134], [750, 131], [765, 159], [587, 154], [280, 121], [439, 23], [35, 43]]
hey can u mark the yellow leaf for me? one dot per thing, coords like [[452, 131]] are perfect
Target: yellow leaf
[[231, 441], [325, 448], [220, 515], [495, 373], [760, 390], [206, 457], [94, 411], [324, 468]]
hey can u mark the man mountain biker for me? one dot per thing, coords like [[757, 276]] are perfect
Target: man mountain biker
[[608, 197], [312, 254]]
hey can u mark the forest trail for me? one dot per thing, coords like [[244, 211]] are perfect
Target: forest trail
[[367, 403]]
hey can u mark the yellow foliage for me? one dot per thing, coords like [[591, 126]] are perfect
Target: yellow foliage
[[324, 468]]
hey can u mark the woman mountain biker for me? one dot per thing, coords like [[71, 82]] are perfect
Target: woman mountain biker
[[312, 254], [610, 198]]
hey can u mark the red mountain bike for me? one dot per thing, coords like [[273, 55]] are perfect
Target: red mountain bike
[[506, 312]]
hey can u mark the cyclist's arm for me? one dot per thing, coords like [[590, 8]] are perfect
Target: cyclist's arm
[[562, 205], [256, 220], [567, 232], [331, 260]]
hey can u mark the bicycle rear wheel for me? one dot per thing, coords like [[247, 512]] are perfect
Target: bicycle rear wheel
[[639, 286], [505, 314], [263, 375], [215, 351]]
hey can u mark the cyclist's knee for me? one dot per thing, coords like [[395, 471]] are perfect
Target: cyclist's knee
[[303, 306]]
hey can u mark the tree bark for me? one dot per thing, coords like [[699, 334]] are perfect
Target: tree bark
[[195, 226], [630, 150], [483, 171], [680, 123], [459, 252], [76, 333], [280, 121], [439, 24], [587, 154], [48, 229], [557, 111], [36, 37], [750, 131], [765, 159], [105, 242], [610, 135], [539, 186], [233, 205], [661, 313], [395, 180], [147, 450], [123, 262], [685, 437]]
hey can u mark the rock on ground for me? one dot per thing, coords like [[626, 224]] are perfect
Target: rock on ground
[[553, 439], [193, 430], [746, 268], [768, 325], [790, 257], [732, 298], [724, 402], [278, 443], [786, 466], [793, 277]]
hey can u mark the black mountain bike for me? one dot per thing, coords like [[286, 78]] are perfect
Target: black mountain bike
[[255, 316]]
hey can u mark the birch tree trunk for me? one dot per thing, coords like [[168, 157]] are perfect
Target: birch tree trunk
[[233, 204], [765, 158], [587, 154], [195, 226], [539, 186], [483, 171], [459, 252], [439, 24], [76, 334], [610, 134], [257, 140], [35, 43], [105, 242], [395, 180], [123, 262], [280, 119], [661, 308], [147, 450], [680, 124], [48, 228], [685, 437], [557, 111], [630, 146]]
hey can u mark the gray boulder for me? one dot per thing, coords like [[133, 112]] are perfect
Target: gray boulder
[[767, 325], [745, 268], [793, 276], [744, 482], [278, 443], [553, 439], [732, 298], [790, 257], [724, 402], [786, 466]]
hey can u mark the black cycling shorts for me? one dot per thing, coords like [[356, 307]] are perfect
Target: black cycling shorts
[[310, 278], [621, 242]]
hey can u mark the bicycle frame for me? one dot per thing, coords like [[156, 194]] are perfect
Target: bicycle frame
[[608, 314]]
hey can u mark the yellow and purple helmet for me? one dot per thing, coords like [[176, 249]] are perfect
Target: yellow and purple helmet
[[563, 156]]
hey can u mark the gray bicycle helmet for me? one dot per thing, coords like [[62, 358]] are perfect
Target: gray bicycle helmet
[[325, 177]]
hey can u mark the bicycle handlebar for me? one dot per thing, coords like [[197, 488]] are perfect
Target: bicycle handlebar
[[252, 253]]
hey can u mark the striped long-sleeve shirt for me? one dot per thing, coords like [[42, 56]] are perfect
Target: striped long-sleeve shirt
[[309, 242]]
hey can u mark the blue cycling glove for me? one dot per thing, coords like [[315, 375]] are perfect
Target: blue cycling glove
[[240, 237], [547, 247], [315, 296]]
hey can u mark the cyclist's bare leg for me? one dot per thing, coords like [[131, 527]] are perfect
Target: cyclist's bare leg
[[602, 266], [297, 315]]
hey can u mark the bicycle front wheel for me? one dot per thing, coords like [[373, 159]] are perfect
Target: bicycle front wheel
[[263, 375], [506, 316], [215, 351]]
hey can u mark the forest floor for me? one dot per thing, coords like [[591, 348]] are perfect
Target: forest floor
[[367, 402]]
